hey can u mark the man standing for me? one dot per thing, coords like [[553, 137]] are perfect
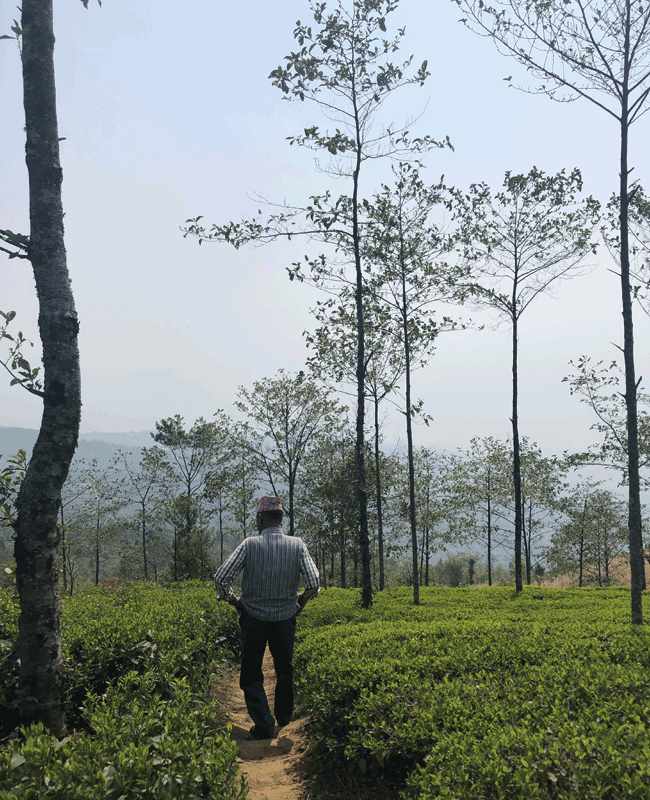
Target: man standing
[[272, 563]]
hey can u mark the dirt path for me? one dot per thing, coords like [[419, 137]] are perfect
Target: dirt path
[[272, 767]]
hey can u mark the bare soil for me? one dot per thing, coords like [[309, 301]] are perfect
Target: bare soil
[[273, 768]]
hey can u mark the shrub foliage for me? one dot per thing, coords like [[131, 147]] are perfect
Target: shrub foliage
[[474, 693], [482, 693], [137, 672]]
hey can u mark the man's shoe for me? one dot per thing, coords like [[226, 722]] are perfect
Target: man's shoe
[[258, 734], [282, 721]]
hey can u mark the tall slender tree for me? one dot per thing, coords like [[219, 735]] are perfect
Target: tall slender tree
[[597, 386], [333, 362], [72, 493], [145, 486], [325, 493], [246, 476], [286, 413], [37, 534], [597, 50], [434, 505], [591, 538], [97, 525], [480, 483], [190, 455], [403, 245], [344, 66], [521, 242]]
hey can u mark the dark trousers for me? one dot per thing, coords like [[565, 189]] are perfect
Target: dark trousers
[[280, 636]]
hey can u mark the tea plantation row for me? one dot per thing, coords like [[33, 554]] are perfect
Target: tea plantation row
[[482, 694], [473, 694], [138, 667]]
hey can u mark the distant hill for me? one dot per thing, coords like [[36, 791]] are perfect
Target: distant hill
[[101, 446], [132, 439]]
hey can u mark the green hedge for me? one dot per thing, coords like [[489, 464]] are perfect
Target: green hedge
[[473, 694], [482, 693], [171, 632], [137, 672], [9, 612], [137, 746]]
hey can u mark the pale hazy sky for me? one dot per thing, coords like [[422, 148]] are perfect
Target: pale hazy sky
[[167, 113]]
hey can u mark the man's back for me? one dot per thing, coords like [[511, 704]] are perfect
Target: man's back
[[271, 576], [269, 604]]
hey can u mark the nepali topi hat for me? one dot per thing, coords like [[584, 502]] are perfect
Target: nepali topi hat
[[269, 503]]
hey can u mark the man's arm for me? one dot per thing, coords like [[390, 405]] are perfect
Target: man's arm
[[309, 572], [227, 573]]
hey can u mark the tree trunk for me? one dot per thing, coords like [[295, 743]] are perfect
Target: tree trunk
[[37, 534], [97, 557], [427, 535], [221, 532], [428, 556], [637, 570], [489, 538], [322, 564], [64, 551], [581, 561], [516, 459], [329, 547], [599, 557], [409, 429], [144, 542], [527, 540], [362, 493], [380, 523], [582, 543], [359, 450], [343, 572], [292, 482], [421, 569]]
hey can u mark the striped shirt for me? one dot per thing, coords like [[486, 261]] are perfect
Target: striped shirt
[[272, 563]]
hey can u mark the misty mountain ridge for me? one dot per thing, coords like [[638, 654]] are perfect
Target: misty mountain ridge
[[94, 445]]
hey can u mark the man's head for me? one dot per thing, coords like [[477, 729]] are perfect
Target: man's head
[[269, 512]]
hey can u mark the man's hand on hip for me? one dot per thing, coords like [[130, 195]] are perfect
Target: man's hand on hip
[[236, 602]]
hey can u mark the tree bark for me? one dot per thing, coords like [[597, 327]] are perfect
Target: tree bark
[[292, 484], [516, 458], [581, 550], [637, 569], [489, 536], [344, 579], [144, 542], [380, 513], [409, 432], [37, 533], [359, 450]]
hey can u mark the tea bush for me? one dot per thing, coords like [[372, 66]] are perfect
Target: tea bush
[[171, 632], [482, 693], [137, 664], [137, 745], [9, 612]]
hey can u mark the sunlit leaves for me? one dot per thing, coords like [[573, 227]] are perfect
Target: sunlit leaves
[[21, 371], [11, 477], [476, 693], [525, 237]]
